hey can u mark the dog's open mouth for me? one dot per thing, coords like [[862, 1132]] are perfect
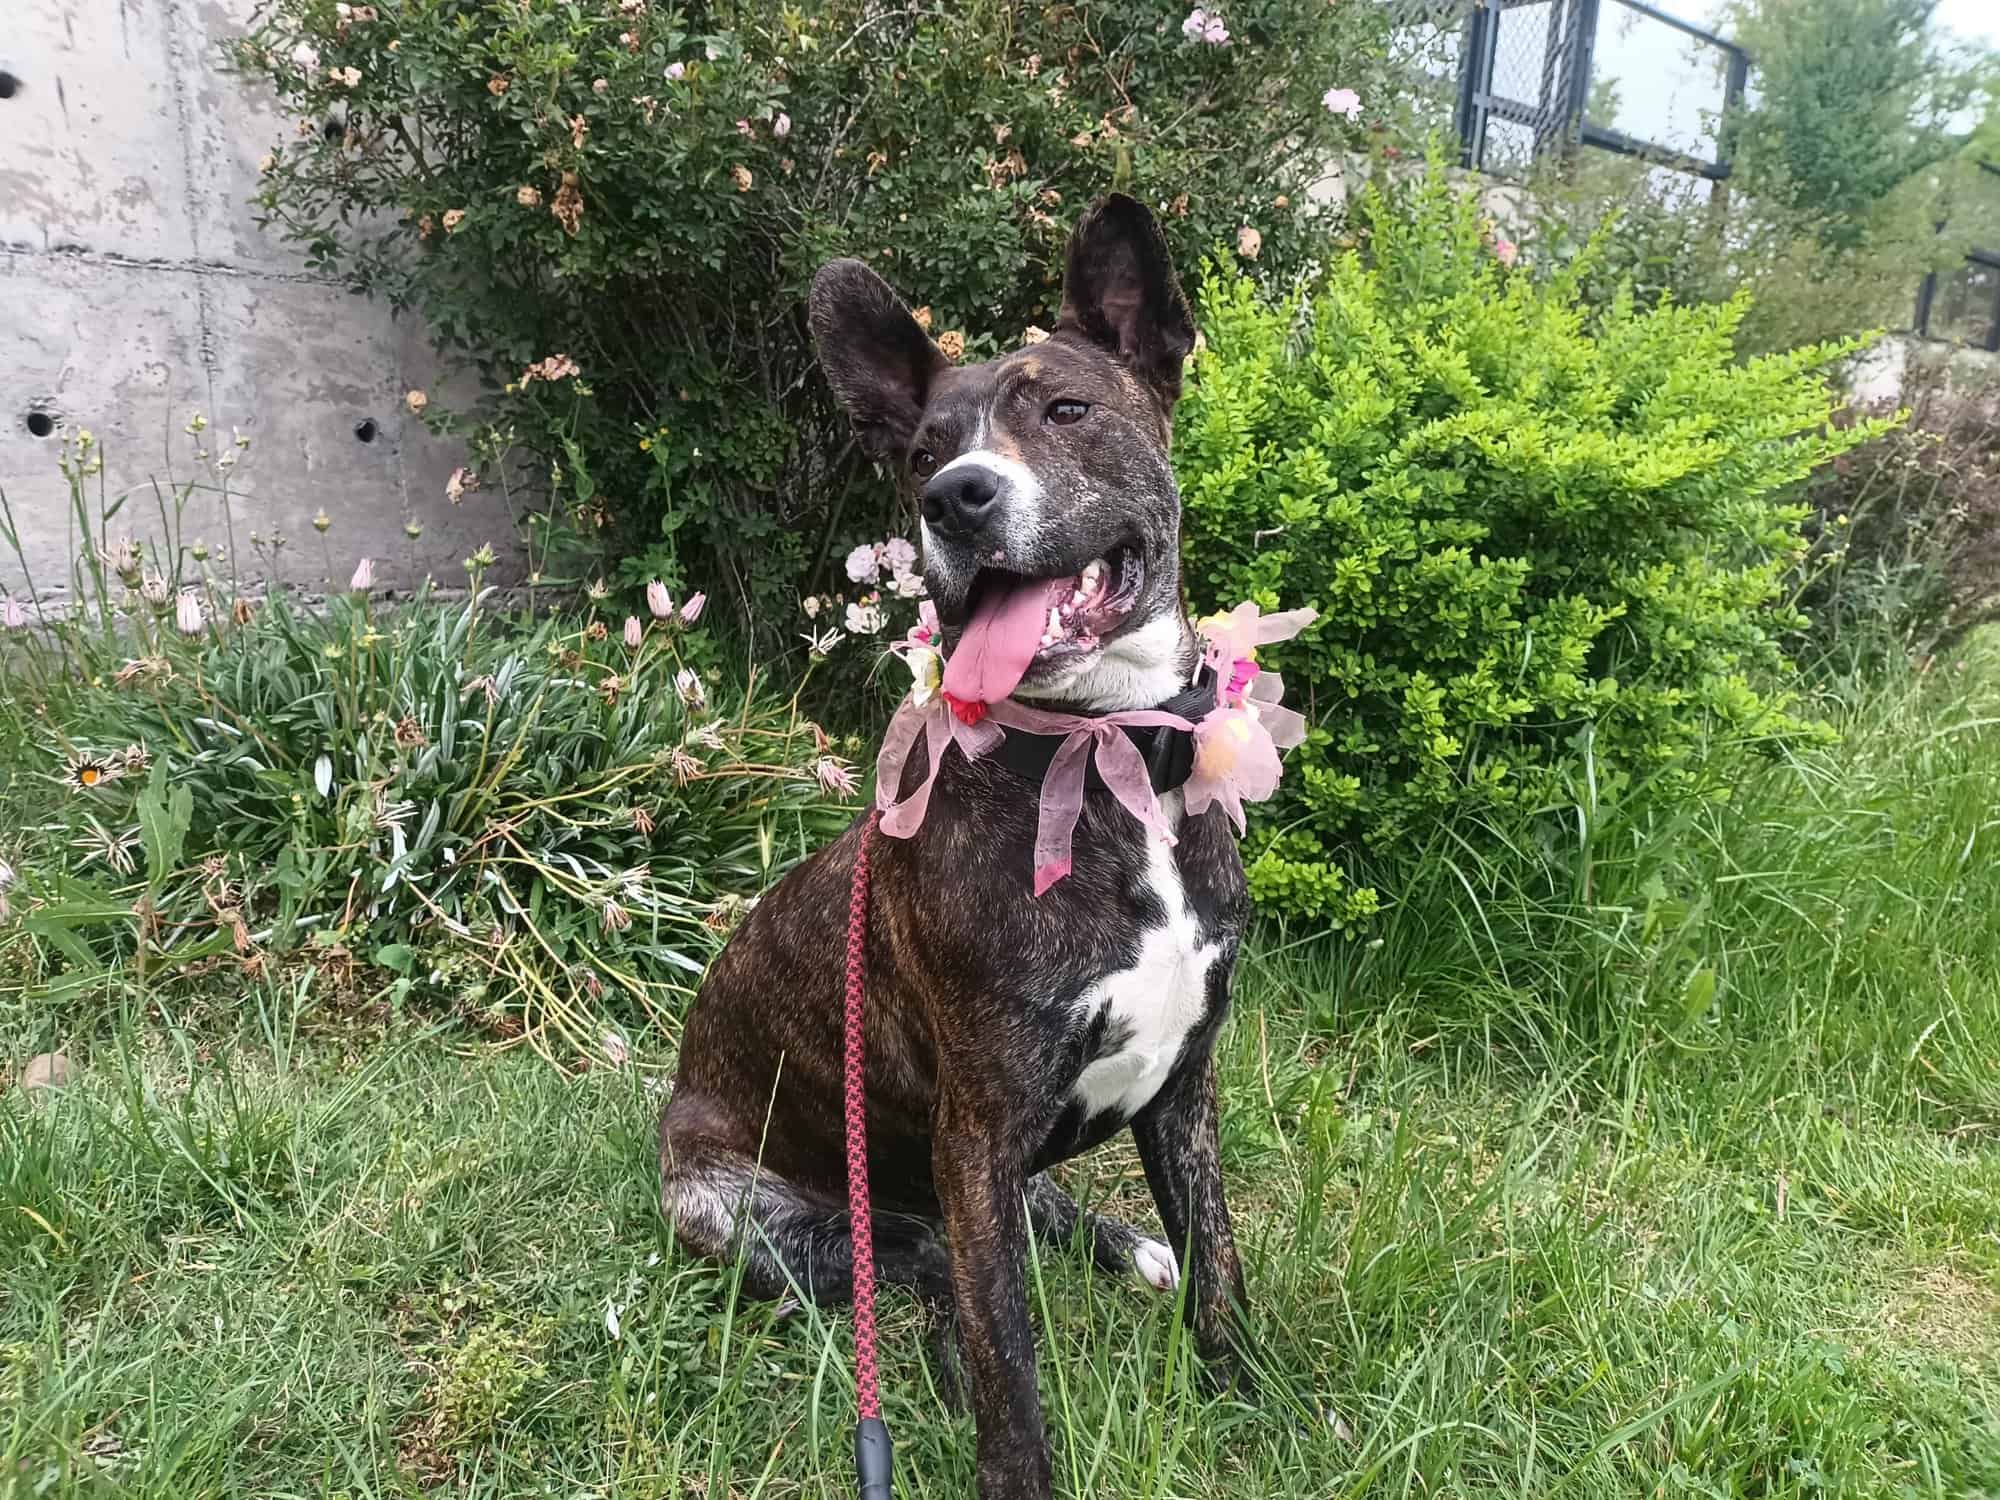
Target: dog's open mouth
[[1015, 623]]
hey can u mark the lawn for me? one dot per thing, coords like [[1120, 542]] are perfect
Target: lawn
[[1670, 1171]]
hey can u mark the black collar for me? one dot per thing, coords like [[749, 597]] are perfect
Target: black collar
[[1168, 752]]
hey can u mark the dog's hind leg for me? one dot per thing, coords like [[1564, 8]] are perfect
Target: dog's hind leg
[[1055, 1218], [725, 1206]]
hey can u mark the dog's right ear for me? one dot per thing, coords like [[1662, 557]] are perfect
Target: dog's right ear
[[879, 362]]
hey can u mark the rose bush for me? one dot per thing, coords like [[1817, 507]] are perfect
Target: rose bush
[[611, 210]]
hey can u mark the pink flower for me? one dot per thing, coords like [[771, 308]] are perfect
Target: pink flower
[[1505, 251], [658, 600], [1215, 33], [1249, 242], [782, 126], [188, 612], [1229, 642], [634, 632], [12, 615], [364, 576], [864, 563], [835, 779], [676, 72], [1342, 102], [1234, 760], [1196, 23], [899, 554], [692, 607], [742, 127], [927, 623]]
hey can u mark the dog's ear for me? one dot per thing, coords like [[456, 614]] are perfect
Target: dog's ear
[[879, 362], [1120, 293]]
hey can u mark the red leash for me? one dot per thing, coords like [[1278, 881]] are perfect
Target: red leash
[[873, 1452]]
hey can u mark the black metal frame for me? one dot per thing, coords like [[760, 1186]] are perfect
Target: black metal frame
[[1558, 117]]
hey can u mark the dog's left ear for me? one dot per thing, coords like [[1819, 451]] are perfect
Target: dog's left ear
[[1121, 294]]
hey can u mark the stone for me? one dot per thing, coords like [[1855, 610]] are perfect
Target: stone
[[51, 1070]]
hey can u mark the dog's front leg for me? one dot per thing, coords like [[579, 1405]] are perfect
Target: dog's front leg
[[980, 1185], [1176, 1134]]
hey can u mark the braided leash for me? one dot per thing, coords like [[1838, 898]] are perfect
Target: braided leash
[[872, 1450]]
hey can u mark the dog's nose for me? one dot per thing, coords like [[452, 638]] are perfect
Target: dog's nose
[[962, 498]]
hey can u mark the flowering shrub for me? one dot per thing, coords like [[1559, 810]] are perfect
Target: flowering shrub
[[612, 209], [546, 822], [1549, 557]]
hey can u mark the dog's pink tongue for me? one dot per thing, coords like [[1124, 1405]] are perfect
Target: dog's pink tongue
[[998, 643]]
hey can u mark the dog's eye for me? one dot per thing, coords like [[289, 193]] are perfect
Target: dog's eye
[[1063, 413], [923, 463]]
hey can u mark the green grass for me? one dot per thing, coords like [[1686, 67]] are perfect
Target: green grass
[[1671, 1170]]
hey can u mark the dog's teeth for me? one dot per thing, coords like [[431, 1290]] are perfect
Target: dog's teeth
[[1055, 623], [1077, 598], [1048, 640], [1092, 573]]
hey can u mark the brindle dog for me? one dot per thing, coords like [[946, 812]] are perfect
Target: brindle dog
[[1005, 1032]]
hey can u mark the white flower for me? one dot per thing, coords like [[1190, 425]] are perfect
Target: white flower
[[1215, 33], [323, 775], [188, 613], [812, 604], [364, 576], [11, 614], [865, 616], [821, 643], [676, 72], [688, 684], [615, 1050], [900, 554], [634, 632], [864, 563], [306, 56], [782, 126], [907, 585], [692, 606], [926, 673], [658, 600], [1195, 24]]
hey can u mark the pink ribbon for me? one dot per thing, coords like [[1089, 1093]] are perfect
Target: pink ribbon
[[1236, 747], [1102, 740], [1099, 739], [939, 727]]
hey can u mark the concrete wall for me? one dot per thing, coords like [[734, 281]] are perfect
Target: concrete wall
[[136, 288]]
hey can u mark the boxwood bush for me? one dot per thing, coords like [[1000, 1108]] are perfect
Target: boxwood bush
[[1549, 549]]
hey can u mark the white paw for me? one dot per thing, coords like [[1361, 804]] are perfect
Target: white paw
[[1156, 1265]]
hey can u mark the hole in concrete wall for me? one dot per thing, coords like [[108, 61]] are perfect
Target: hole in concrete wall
[[9, 84], [366, 429], [40, 423], [333, 129]]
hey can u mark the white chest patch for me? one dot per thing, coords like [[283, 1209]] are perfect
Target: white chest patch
[[1152, 1005]]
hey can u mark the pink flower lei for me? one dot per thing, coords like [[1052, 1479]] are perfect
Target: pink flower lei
[[1236, 744]]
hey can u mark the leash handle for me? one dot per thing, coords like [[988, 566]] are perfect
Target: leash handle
[[872, 1449], [873, 1458]]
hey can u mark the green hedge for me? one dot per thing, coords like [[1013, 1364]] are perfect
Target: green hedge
[[1549, 551]]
